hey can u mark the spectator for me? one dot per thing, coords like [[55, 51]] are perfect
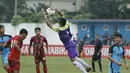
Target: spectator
[[81, 44], [97, 53], [85, 38]]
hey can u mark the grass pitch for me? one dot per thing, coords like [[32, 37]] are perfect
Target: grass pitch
[[59, 65]]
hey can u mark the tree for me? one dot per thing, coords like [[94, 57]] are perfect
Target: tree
[[34, 15], [85, 16], [106, 8], [124, 10], [22, 7], [7, 9], [2, 11], [16, 20]]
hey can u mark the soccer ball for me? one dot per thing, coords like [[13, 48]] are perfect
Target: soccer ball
[[50, 11]]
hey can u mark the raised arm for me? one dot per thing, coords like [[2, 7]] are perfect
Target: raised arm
[[60, 13], [46, 19], [48, 23]]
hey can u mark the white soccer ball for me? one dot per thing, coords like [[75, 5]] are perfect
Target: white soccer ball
[[50, 11]]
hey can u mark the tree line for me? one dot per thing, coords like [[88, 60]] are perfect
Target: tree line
[[92, 9]]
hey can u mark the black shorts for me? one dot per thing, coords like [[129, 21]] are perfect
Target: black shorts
[[96, 57], [80, 49]]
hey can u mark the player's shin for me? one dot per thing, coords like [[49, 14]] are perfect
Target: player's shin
[[79, 66], [8, 69], [93, 65], [37, 68], [82, 62], [100, 65], [44, 66], [16, 71], [45, 69]]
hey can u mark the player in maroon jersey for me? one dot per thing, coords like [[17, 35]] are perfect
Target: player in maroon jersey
[[38, 42], [14, 56]]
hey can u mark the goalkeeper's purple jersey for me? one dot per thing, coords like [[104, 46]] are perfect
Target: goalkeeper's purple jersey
[[65, 35]]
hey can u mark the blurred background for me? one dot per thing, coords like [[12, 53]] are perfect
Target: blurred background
[[88, 18]]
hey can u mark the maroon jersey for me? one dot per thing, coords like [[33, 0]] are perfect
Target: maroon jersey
[[38, 44]]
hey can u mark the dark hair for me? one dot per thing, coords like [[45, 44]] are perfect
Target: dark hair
[[23, 31], [37, 28], [118, 34], [62, 21], [1, 26]]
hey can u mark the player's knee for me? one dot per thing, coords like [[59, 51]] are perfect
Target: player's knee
[[99, 61], [16, 71], [37, 64], [44, 58], [93, 61], [44, 63]]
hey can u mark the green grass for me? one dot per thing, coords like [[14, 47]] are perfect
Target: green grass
[[58, 65]]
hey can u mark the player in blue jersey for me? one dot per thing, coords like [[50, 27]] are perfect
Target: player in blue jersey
[[116, 52], [4, 52], [65, 36]]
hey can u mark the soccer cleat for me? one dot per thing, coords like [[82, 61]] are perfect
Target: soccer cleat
[[89, 69]]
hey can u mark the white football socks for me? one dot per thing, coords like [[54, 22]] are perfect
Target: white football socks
[[79, 66], [82, 62]]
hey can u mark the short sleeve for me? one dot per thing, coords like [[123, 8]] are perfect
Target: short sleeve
[[56, 29], [45, 40]]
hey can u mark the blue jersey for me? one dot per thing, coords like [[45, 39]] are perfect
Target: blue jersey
[[4, 39], [116, 53], [64, 34]]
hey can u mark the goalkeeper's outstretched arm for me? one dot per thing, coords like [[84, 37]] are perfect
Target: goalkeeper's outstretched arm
[[60, 13], [56, 29], [46, 19]]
